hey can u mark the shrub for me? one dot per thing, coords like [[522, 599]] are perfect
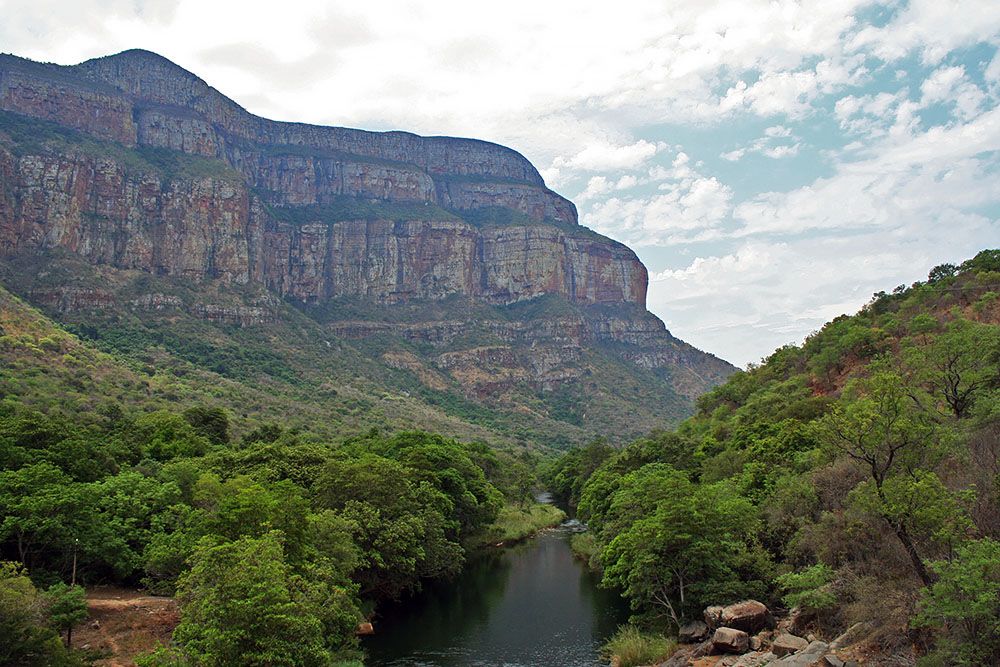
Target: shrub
[[634, 647], [964, 603], [809, 589]]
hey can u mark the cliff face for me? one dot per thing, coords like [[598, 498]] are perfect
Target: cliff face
[[131, 162], [231, 225]]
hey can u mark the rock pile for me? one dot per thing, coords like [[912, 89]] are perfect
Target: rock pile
[[746, 634]]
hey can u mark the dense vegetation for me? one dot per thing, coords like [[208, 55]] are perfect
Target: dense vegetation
[[856, 476], [274, 543]]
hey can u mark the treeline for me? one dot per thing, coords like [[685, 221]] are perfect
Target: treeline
[[856, 477], [276, 545]]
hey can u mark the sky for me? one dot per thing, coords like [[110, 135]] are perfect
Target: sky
[[772, 163]]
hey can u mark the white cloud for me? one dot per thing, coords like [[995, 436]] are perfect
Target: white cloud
[[766, 294], [600, 156], [687, 206], [774, 144], [590, 92], [950, 85], [931, 28]]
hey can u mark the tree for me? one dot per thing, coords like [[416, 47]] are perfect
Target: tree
[[957, 365], [212, 423], [678, 546], [67, 606], [43, 512], [964, 603], [941, 272], [25, 639], [240, 605], [876, 424]]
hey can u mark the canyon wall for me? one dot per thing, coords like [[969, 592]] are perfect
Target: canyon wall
[[131, 162]]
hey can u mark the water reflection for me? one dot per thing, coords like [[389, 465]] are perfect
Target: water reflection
[[531, 604]]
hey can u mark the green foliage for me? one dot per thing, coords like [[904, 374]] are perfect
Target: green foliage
[[855, 458], [211, 423], [67, 606], [677, 547], [633, 647], [808, 589], [517, 522], [26, 636], [964, 604], [242, 605]]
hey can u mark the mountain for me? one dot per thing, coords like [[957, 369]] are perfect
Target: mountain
[[140, 207]]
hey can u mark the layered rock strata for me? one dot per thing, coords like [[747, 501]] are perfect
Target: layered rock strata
[[132, 162]]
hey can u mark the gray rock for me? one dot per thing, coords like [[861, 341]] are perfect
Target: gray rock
[[748, 616], [693, 632], [713, 616], [730, 640], [756, 659], [831, 660], [785, 644], [817, 648], [852, 635]]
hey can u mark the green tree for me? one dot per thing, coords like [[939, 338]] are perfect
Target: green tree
[[25, 639], [43, 512], [876, 424], [211, 423], [66, 606], [242, 605], [678, 546], [958, 365], [964, 603]]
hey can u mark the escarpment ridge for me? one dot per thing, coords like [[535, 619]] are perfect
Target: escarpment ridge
[[131, 163]]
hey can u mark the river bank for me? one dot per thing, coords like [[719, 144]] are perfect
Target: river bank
[[516, 523]]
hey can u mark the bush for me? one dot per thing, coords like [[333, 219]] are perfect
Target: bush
[[809, 589], [633, 647], [964, 603]]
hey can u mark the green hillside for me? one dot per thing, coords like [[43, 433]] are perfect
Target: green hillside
[[856, 476], [193, 341]]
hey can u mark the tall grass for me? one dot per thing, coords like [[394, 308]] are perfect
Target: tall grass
[[632, 647], [517, 523]]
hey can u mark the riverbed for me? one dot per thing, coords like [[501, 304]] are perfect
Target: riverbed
[[527, 605]]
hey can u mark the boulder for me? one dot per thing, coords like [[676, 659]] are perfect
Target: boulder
[[852, 635], [365, 628], [811, 656], [692, 633], [713, 616], [817, 647], [785, 644], [748, 616], [798, 621], [730, 640], [756, 659], [831, 660]]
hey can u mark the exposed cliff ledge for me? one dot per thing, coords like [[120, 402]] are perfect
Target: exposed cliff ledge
[[287, 204], [140, 98], [133, 163]]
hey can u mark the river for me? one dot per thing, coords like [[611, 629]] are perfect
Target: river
[[527, 605]]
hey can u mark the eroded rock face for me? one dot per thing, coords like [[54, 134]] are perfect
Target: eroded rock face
[[180, 220], [161, 173], [217, 228]]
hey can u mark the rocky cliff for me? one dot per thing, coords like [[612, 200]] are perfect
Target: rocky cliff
[[131, 162], [311, 211]]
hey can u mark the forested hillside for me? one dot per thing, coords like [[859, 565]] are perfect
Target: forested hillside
[[263, 531], [856, 477]]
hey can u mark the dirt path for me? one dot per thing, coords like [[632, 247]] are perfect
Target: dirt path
[[125, 623]]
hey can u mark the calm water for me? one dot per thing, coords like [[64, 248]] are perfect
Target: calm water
[[531, 604]]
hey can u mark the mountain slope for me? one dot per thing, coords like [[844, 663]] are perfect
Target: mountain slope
[[444, 265]]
